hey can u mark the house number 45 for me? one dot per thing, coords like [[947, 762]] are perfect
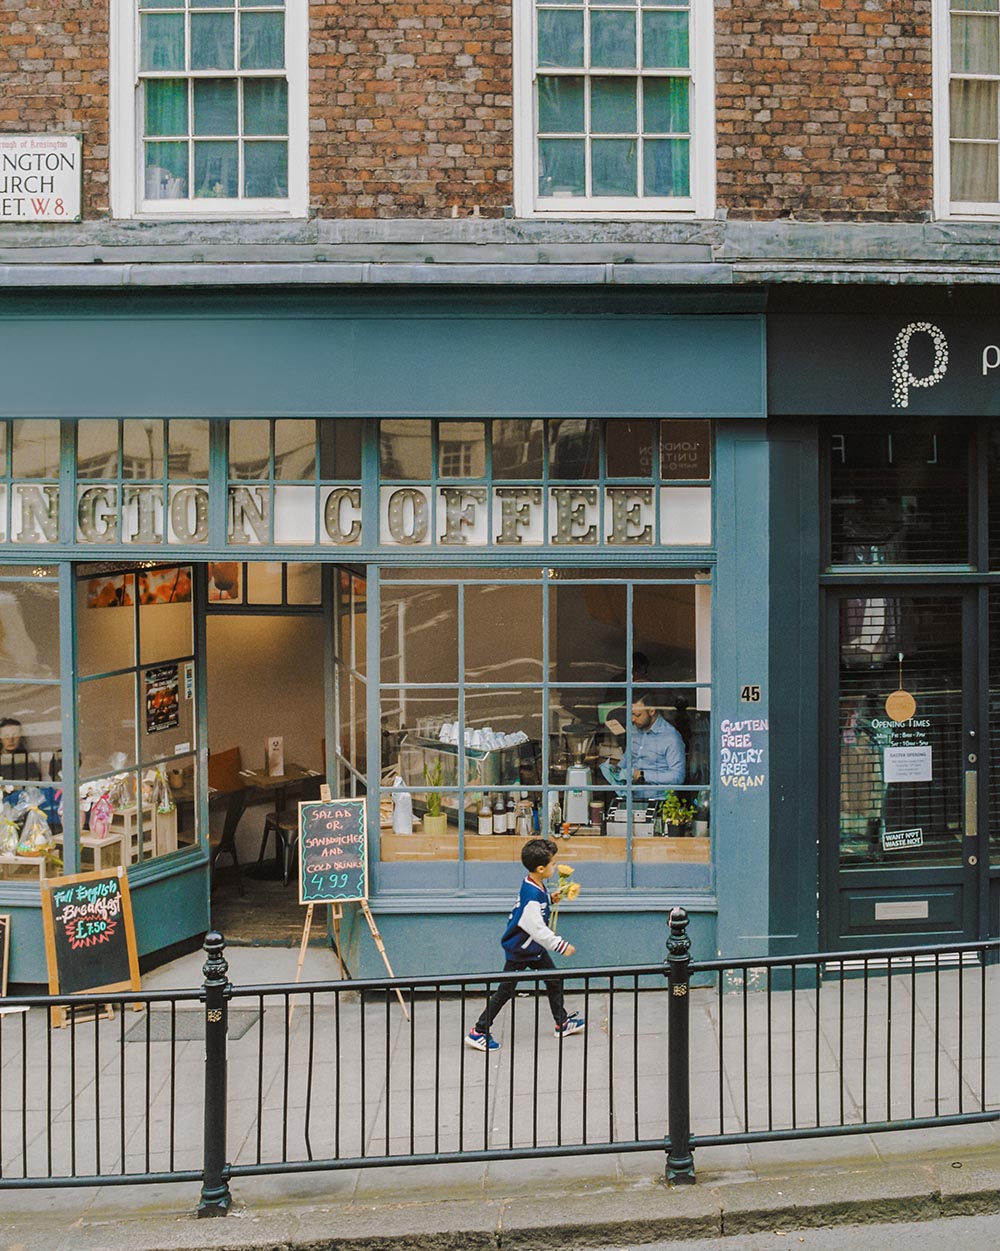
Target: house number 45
[[750, 694]]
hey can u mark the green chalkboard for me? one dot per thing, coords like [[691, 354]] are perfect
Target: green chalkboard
[[89, 933], [333, 851]]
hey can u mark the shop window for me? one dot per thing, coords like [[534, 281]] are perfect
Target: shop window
[[579, 705], [142, 481], [967, 82], [211, 115], [266, 586], [136, 712], [29, 481], [899, 497], [614, 106], [30, 723], [294, 481]]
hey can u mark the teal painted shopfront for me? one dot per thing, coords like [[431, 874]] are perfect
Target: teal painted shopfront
[[439, 548]]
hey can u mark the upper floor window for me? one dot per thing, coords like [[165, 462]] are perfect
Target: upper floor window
[[614, 106], [968, 78], [211, 108]]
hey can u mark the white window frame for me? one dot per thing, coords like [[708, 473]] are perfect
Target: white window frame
[[944, 206], [700, 203], [126, 164]]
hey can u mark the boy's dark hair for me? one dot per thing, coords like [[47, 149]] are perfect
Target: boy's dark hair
[[537, 852]]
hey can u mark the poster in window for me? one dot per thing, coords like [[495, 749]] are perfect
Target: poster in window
[[111, 592], [224, 583], [162, 698], [165, 586]]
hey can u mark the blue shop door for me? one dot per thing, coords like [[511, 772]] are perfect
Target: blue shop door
[[906, 847]]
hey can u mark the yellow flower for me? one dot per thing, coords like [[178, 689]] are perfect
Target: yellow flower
[[572, 890], [564, 870]]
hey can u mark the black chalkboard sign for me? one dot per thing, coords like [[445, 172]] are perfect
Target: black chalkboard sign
[[333, 852], [89, 933]]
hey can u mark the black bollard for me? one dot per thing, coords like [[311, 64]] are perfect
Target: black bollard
[[680, 1160], [215, 1196]]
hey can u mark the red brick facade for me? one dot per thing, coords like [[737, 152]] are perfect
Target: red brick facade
[[823, 107]]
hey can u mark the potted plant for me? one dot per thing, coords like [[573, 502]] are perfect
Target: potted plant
[[435, 821], [677, 815]]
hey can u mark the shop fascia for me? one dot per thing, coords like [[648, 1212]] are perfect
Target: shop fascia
[[620, 515]]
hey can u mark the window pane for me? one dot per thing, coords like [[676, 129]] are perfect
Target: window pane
[[262, 41], [142, 449], [165, 614], [216, 111], [265, 106], [35, 449], [503, 632], [560, 38], [461, 449], [973, 110], [188, 455], [161, 4], [166, 106], [106, 710], [166, 171], [665, 105], [264, 582], [631, 448], [686, 450], [29, 630], [419, 626], [212, 40], [560, 104], [97, 449], [573, 449], [612, 105], [295, 449], [304, 583], [249, 449], [265, 170], [216, 169], [974, 171], [974, 45], [105, 623], [665, 42], [30, 749], [340, 448], [561, 170], [667, 167], [404, 449], [615, 163], [162, 41], [612, 39], [518, 448]]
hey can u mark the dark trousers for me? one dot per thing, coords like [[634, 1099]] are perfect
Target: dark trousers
[[506, 991]]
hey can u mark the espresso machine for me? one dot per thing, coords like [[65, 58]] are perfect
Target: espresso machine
[[579, 740]]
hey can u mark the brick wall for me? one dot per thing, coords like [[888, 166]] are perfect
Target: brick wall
[[54, 77], [411, 107], [824, 108]]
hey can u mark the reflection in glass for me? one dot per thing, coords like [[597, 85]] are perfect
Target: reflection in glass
[[188, 448], [574, 449], [295, 449], [503, 632], [97, 449], [30, 732], [631, 448], [142, 449], [461, 449], [518, 448], [405, 450], [35, 449], [106, 712], [29, 630], [105, 623], [249, 449], [587, 633], [419, 630], [340, 449]]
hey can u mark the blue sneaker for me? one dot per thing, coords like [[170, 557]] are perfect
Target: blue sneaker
[[573, 1024], [481, 1042]]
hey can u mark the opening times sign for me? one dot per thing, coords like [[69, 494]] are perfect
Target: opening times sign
[[40, 178]]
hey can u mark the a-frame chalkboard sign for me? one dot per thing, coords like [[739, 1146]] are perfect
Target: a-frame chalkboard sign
[[89, 935]]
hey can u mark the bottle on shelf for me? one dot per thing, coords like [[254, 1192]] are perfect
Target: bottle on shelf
[[536, 821], [522, 827], [485, 815], [511, 812], [499, 816], [555, 816]]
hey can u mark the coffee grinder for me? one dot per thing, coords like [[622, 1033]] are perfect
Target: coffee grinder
[[579, 739]]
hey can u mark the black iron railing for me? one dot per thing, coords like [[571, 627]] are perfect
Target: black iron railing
[[225, 1081]]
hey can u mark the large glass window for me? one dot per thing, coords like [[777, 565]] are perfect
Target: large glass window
[[620, 104], [136, 712], [573, 704], [30, 723]]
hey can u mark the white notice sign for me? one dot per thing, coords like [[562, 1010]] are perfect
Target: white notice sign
[[40, 178], [907, 764]]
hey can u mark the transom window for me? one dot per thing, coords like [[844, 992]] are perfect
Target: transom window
[[619, 103]]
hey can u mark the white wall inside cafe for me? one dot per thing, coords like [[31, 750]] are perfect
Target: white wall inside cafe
[[265, 677]]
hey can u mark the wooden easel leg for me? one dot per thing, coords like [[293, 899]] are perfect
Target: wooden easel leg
[[381, 947], [302, 955], [336, 912]]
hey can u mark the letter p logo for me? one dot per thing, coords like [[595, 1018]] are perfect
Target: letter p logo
[[902, 375]]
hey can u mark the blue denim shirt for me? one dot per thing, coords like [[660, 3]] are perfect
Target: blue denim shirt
[[659, 753]]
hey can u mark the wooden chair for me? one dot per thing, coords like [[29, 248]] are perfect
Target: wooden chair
[[285, 827], [224, 779]]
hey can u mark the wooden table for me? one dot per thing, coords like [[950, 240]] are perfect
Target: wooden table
[[277, 783]]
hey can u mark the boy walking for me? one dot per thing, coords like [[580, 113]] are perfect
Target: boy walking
[[527, 941]]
